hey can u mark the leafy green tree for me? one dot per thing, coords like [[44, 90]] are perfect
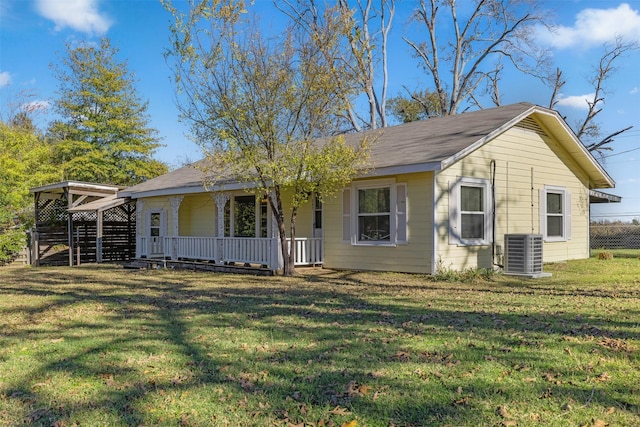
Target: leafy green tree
[[418, 105], [258, 105], [25, 162], [104, 134]]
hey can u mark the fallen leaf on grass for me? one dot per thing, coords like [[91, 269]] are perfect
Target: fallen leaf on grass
[[503, 412], [354, 390], [339, 411], [599, 423], [401, 356], [462, 401], [353, 423], [546, 394]]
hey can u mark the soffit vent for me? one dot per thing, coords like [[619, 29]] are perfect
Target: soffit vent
[[531, 125]]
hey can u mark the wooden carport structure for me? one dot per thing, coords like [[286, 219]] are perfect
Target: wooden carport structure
[[78, 222]]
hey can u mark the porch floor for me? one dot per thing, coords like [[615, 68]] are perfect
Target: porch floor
[[153, 263]]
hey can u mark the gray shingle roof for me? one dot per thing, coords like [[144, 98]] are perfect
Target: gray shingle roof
[[422, 143], [436, 139]]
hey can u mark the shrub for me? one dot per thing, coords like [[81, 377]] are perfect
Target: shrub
[[11, 241], [605, 255]]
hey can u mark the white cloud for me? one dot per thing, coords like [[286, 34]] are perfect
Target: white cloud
[[577, 101], [79, 15], [633, 91], [593, 27], [5, 79]]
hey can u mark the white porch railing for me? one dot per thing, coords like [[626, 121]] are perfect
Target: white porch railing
[[308, 251], [262, 251], [142, 247]]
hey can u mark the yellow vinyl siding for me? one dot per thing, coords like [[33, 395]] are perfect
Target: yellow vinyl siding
[[197, 216], [525, 162], [413, 257]]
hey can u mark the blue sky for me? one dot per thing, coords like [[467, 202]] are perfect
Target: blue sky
[[33, 34]]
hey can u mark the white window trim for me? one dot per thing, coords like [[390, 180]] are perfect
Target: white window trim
[[455, 213], [398, 215], [566, 213]]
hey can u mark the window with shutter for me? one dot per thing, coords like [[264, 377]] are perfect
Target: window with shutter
[[555, 213], [470, 212], [379, 213]]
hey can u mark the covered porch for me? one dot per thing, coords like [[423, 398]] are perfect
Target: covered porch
[[260, 252], [224, 229]]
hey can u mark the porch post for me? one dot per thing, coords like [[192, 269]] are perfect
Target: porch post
[[69, 197], [99, 234], [175, 205], [221, 200], [140, 228]]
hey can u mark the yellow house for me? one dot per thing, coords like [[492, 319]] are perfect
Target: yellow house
[[476, 190]]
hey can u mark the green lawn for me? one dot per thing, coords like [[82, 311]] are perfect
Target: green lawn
[[98, 345]]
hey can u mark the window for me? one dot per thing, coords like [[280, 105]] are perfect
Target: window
[[244, 216], [380, 210], [317, 216], [240, 217], [555, 213], [154, 224], [472, 214], [470, 219], [264, 217], [374, 216]]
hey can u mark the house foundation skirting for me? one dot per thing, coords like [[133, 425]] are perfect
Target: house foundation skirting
[[156, 263]]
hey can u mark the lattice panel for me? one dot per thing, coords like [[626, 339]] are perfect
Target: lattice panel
[[51, 211], [85, 216], [122, 213]]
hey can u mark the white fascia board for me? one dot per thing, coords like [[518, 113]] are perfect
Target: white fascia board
[[183, 190], [402, 169], [76, 184], [579, 146]]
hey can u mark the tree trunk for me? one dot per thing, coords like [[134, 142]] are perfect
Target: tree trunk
[[288, 255], [291, 266]]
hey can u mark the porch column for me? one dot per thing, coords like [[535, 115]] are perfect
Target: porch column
[[221, 200], [175, 205], [99, 234], [140, 251]]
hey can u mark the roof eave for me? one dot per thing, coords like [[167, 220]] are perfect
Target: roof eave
[[597, 174]]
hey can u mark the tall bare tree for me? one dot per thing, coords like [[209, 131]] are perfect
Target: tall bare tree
[[363, 27], [464, 48], [588, 129], [257, 105]]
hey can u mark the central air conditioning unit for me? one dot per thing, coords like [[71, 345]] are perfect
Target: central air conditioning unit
[[523, 255]]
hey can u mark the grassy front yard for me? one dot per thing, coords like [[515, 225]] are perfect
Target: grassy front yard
[[98, 345]]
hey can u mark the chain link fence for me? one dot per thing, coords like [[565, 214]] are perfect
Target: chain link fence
[[615, 236]]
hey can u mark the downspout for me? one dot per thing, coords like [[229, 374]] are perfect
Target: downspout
[[492, 165], [434, 229]]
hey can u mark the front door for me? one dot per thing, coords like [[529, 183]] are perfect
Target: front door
[[156, 233]]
